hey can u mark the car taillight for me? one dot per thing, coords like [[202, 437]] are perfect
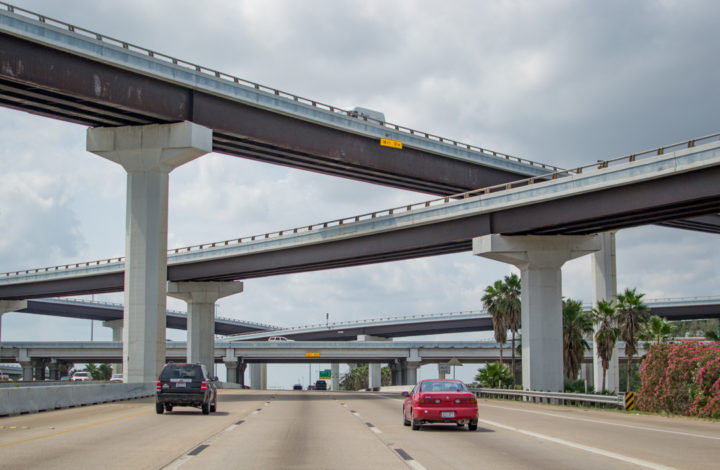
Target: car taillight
[[158, 386], [203, 385], [469, 401], [427, 401]]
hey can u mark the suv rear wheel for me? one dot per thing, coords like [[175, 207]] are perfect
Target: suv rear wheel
[[159, 408], [205, 408]]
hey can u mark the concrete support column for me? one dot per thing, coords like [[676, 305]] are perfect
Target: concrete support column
[[604, 273], [335, 376], [258, 376], [27, 371], [53, 369], [241, 373], [148, 154], [201, 298], [374, 375], [117, 335], [374, 369], [231, 368], [411, 373], [540, 259], [396, 373]]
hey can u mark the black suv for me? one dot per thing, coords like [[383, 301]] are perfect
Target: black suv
[[186, 385], [320, 385]]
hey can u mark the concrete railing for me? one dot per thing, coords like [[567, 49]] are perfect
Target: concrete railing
[[550, 397], [21, 400]]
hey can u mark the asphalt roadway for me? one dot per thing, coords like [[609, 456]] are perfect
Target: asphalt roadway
[[326, 430]]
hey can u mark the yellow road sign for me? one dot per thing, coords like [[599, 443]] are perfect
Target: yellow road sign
[[312, 354], [396, 144]]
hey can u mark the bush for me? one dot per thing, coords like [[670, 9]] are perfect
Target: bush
[[574, 386], [681, 378]]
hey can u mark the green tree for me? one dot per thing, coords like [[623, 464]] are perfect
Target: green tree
[[607, 333], [357, 379], [712, 335], [513, 309], [494, 304], [655, 329], [494, 375], [576, 325], [632, 314], [101, 372]]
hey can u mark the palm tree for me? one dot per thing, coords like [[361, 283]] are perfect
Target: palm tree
[[605, 316], [495, 375], [632, 313], [656, 329], [493, 303], [513, 311], [576, 325]]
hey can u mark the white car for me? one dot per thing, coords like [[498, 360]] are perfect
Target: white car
[[117, 378], [81, 377], [279, 338]]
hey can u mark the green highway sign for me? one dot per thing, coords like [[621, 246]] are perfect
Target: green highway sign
[[325, 374]]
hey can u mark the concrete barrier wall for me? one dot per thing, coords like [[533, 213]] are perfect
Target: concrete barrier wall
[[14, 401]]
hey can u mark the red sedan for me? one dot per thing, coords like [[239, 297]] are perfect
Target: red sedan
[[440, 401]]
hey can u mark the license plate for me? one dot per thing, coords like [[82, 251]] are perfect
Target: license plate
[[180, 385], [447, 414]]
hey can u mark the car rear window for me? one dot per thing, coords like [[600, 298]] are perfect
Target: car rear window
[[182, 371], [443, 387]]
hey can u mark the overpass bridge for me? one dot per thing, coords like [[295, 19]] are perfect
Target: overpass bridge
[[67, 72], [625, 192], [386, 327], [403, 357], [59, 70]]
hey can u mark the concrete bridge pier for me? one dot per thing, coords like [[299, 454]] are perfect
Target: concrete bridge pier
[[117, 335], [148, 154], [200, 298], [258, 376], [604, 271], [231, 367], [540, 259], [335, 376], [374, 368]]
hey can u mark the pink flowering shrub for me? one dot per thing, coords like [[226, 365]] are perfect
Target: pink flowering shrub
[[682, 378]]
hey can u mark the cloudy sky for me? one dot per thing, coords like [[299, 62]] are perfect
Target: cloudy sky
[[561, 82]]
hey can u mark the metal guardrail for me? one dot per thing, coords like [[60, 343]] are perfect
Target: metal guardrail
[[599, 166], [546, 397]]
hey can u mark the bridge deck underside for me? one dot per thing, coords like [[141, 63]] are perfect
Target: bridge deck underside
[[52, 83], [691, 194]]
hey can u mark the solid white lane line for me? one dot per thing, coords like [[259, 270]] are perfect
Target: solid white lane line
[[609, 423], [594, 450], [179, 462]]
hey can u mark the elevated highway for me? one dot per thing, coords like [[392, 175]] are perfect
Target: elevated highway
[[387, 327], [67, 72], [666, 184]]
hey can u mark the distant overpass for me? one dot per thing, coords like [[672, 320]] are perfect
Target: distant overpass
[[263, 352], [388, 327]]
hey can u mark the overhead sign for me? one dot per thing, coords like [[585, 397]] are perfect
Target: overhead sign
[[325, 374], [312, 354], [396, 144], [443, 369]]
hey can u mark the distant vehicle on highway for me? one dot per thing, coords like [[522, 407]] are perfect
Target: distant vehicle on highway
[[186, 385], [297, 387], [279, 338], [320, 385], [440, 401], [4, 378], [81, 377], [311, 387], [117, 378]]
